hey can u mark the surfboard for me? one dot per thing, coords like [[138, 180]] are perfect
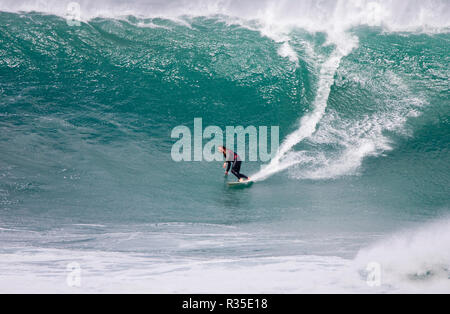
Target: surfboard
[[242, 184]]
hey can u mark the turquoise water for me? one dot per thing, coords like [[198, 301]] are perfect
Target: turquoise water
[[86, 173]]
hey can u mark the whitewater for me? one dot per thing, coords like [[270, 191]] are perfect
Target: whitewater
[[360, 92]]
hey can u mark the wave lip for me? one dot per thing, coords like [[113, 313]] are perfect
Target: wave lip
[[395, 15]]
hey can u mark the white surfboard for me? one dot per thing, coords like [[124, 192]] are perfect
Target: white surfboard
[[243, 184]]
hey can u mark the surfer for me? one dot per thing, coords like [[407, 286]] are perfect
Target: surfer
[[232, 157]]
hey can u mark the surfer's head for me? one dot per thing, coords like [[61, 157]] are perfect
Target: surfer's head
[[222, 149]]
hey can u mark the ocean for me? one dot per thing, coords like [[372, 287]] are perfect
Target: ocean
[[355, 200]]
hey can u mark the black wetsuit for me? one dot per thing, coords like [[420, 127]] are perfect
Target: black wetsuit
[[236, 166]]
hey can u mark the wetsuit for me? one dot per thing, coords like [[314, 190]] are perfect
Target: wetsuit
[[232, 157]]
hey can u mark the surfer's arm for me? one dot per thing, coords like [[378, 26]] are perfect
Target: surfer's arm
[[228, 164]]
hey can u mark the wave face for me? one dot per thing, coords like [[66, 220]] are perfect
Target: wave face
[[359, 90]]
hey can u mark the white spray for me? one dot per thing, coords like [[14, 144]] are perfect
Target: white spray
[[308, 123]]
